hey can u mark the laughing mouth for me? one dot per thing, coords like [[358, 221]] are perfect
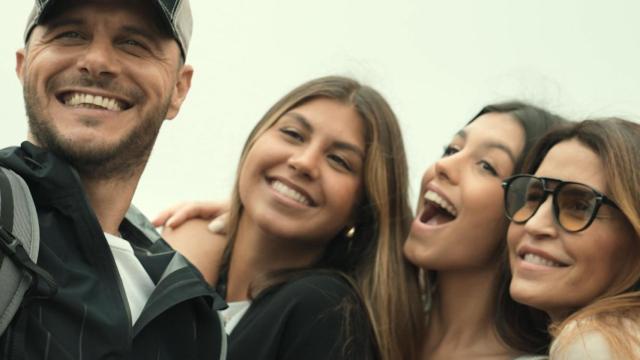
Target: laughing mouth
[[437, 210], [290, 193], [89, 101]]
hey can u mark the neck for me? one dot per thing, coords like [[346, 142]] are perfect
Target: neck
[[256, 253], [461, 319], [110, 199]]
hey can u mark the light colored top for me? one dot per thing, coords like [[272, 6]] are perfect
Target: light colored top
[[532, 357], [231, 316], [590, 344], [137, 284]]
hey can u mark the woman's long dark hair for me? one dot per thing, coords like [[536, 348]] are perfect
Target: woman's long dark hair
[[520, 327]]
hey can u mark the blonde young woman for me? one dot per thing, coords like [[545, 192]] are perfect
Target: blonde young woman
[[313, 265], [574, 240]]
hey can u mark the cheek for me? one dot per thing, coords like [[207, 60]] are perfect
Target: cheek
[[485, 208], [515, 232], [343, 191]]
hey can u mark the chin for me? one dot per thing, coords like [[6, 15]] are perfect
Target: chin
[[415, 253]]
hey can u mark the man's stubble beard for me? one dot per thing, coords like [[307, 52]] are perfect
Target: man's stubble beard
[[118, 161]]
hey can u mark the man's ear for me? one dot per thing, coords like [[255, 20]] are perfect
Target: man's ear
[[180, 91], [20, 64]]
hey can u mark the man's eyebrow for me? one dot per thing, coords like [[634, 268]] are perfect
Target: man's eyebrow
[[337, 144], [146, 33]]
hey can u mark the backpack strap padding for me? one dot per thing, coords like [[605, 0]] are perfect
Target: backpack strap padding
[[19, 245], [6, 204]]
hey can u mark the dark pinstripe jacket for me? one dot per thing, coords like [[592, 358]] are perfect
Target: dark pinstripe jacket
[[89, 317]]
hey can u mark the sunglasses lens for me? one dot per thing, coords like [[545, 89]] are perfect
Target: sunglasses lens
[[524, 195], [576, 204]]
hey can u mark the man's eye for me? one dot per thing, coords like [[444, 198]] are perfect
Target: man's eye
[[132, 42], [69, 35]]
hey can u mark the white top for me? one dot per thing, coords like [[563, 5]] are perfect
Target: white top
[[137, 284], [232, 315], [589, 345]]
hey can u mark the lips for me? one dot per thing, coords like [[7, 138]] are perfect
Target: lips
[[538, 257], [80, 99], [437, 209], [291, 191]]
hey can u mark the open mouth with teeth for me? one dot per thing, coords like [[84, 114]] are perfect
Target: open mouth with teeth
[[290, 193], [89, 101], [437, 210], [539, 260]]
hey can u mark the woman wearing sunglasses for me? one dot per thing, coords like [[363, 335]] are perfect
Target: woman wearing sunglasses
[[574, 239]]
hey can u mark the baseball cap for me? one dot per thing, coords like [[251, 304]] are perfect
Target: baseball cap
[[176, 15]]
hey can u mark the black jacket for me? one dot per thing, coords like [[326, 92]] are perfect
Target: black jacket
[[89, 317]]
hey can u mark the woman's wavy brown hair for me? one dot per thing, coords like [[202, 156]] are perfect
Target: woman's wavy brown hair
[[617, 144], [373, 258]]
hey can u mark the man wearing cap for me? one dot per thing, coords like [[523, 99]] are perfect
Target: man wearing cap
[[99, 78]]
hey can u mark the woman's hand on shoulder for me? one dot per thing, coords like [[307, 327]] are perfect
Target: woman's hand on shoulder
[[203, 248], [215, 212]]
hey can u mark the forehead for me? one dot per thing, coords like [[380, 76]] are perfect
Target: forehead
[[330, 116], [497, 128], [571, 160]]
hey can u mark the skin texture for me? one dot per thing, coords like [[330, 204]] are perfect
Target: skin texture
[[321, 157], [589, 262], [107, 48], [469, 175], [465, 251], [316, 149], [110, 49]]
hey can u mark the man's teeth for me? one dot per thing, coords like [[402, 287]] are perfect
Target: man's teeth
[[82, 100], [434, 197], [535, 259], [289, 192]]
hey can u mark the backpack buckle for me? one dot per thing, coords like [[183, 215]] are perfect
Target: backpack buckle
[[9, 242]]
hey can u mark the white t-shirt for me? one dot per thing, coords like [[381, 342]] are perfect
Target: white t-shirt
[[232, 314], [137, 284]]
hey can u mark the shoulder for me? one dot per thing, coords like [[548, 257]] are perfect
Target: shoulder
[[191, 229], [310, 294], [321, 288], [586, 345], [584, 340]]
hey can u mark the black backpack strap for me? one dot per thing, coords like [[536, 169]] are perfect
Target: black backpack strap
[[6, 196], [6, 210], [11, 247]]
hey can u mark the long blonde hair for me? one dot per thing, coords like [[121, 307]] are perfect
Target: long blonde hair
[[617, 144], [373, 258]]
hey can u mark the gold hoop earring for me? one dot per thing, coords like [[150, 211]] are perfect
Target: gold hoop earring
[[351, 232]]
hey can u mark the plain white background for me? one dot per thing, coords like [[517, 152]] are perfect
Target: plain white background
[[437, 63]]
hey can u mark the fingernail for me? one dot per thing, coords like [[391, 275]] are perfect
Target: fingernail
[[218, 225]]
